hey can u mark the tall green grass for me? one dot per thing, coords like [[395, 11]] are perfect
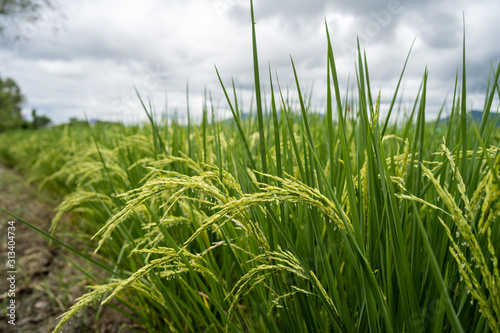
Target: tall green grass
[[291, 221]]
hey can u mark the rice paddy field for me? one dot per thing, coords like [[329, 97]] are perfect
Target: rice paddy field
[[284, 220]]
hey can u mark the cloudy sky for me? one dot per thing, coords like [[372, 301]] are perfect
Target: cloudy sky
[[85, 57]]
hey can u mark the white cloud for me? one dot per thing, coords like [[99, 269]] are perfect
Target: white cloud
[[105, 48]]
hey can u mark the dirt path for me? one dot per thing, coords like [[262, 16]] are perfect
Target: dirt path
[[46, 283]]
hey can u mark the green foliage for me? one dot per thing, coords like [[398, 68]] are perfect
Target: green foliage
[[39, 121], [11, 101], [356, 225], [12, 12]]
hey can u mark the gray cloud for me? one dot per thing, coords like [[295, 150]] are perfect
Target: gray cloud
[[107, 47]]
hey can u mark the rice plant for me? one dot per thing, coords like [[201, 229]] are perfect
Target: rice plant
[[292, 221]]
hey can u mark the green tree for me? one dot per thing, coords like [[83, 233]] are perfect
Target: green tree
[[39, 121], [12, 12], [11, 101]]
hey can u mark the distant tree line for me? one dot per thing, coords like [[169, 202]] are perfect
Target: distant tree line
[[11, 101], [13, 13]]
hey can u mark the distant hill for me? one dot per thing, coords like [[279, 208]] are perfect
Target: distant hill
[[476, 116]]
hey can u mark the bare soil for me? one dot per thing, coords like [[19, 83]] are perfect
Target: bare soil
[[47, 284]]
